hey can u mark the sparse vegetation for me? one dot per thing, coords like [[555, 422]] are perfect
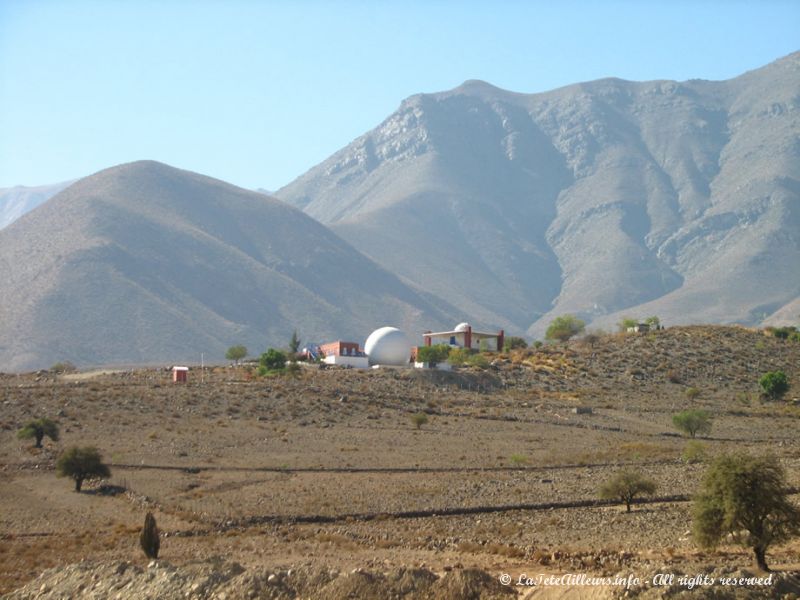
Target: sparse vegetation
[[775, 384], [564, 328], [692, 422], [80, 464], [745, 497], [625, 486], [149, 539], [692, 393], [38, 429], [236, 353]]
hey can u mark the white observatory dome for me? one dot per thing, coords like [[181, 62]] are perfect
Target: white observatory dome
[[462, 326], [388, 346]]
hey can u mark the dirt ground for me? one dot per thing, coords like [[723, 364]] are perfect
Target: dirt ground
[[328, 470]]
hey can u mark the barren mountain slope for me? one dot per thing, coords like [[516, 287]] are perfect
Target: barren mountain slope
[[602, 198], [146, 263], [16, 201]]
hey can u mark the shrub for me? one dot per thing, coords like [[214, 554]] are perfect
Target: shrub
[[625, 323], [774, 383], [478, 360], [273, 360], [564, 327], [149, 538], [81, 463], [236, 353], [692, 393], [537, 344], [625, 486], [692, 422], [782, 333], [63, 366], [433, 354], [745, 497], [37, 429], [519, 459], [458, 356], [293, 369], [694, 452], [419, 419], [653, 321], [514, 343]]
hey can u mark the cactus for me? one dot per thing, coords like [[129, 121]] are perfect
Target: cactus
[[149, 537]]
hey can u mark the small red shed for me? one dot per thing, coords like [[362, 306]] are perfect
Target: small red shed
[[180, 374]]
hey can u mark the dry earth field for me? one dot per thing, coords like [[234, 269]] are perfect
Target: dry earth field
[[326, 470]]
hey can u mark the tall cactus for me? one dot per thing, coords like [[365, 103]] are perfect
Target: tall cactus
[[149, 537]]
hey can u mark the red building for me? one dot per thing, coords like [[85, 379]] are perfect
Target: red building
[[340, 348], [180, 374]]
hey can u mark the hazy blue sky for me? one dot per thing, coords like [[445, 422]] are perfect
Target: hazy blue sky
[[256, 93]]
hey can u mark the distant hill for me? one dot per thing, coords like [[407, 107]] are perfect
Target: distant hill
[[144, 263], [16, 201], [603, 199]]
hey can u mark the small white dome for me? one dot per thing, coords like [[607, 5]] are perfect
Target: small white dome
[[462, 326], [388, 346]]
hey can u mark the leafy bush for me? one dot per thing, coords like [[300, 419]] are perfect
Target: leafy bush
[[433, 354], [782, 333], [419, 419], [625, 323], [694, 452], [692, 422], [514, 343], [653, 321], [459, 356], [564, 327], [745, 497], [775, 384], [81, 463], [37, 429], [478, 360], [273, 360], [625, 486], [692, 393]]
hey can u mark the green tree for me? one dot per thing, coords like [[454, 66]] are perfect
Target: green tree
[[514, 343], [273, 360], [294, 343], [774, 383], [80, 463], [625, 486], [745, 497], [236, 353], [564, 327], [37, 429], [625, 323], [692, 422], [433, 354]]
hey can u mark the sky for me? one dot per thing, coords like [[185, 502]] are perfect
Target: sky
[[256, 93]]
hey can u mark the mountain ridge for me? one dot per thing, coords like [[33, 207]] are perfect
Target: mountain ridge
[[604, 197]]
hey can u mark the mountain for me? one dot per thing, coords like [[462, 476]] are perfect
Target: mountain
[[603, 199], [144, 263], [16, 201]]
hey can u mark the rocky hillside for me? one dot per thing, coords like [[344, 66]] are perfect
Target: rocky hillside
[[143, 263], [604, 199]]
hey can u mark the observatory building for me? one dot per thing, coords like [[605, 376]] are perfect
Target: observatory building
[[388, 346], [463, 336]]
